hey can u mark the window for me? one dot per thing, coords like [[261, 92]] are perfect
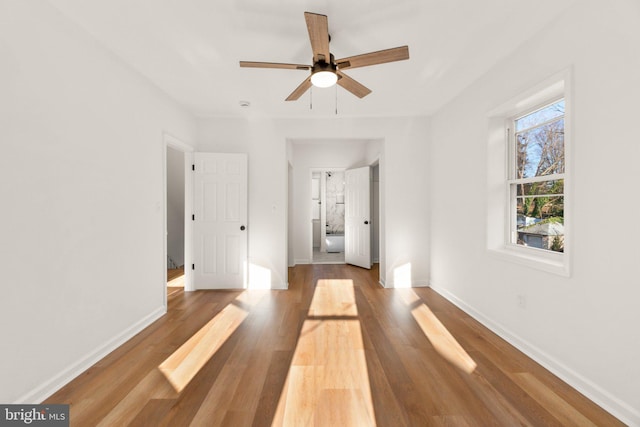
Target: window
[[529, 177], [537, 178]]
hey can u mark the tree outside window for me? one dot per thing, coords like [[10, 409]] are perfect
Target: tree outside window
[[538, 178]]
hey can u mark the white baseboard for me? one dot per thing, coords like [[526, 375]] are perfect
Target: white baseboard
[[420, 284], [302, 261], [55, 383], [280, 286], [414, 283], [618, 408]]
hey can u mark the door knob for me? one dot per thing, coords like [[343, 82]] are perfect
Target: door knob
[[366, 223], [242, 228]]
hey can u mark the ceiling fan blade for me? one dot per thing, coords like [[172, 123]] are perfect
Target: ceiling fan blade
[[304, 86], [373, 58], [249, 64], [353, 86], [318, 27]]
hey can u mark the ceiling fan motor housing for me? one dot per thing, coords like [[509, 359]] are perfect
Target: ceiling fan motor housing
[[324, 74], [322, 65]]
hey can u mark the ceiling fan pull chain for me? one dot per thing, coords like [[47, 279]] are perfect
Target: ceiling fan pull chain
[[311, 99]]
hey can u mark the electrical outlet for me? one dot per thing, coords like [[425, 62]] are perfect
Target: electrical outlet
[[522, 300]]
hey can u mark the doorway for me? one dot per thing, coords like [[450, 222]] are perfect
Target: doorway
[[310, 158], [328, 208], [177, 189], [175, 220], [327, 216]]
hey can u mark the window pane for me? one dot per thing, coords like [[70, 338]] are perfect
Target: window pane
[[543, 115], [541, 188], [540, 222], [540, 150], [539, 208]]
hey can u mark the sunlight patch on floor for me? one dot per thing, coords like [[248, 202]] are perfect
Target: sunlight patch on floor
[[439, 336], [178, 282], [328, 382], [175, 278], [185, 363]]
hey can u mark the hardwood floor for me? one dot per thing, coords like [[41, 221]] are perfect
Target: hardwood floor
[[175, 281], [175, 273], [333, 350]]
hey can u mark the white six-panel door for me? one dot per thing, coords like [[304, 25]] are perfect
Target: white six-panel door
[[357, 220], [220, 221]]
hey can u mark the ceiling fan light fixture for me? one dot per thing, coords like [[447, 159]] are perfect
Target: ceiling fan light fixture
[[324, 79]]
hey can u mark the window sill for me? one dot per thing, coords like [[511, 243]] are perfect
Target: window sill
[[555, 263]]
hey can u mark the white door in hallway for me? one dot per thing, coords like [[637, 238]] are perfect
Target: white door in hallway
[[357, 221], [220, 221]]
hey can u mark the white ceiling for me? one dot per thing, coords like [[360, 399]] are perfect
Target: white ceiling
[[191, 48]]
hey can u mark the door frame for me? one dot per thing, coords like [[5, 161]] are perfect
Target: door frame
[[378, 162], [170, 141]]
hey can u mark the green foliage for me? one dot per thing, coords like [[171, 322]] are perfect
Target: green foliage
[[538, 204], [526, 205], [552, 220], [557, 244]]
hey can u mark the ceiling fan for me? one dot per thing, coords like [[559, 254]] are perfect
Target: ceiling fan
[[326, 70]]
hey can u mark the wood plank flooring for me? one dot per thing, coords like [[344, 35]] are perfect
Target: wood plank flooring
[[334, 350], [175, 273], [175, 281]]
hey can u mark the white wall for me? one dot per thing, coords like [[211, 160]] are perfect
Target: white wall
[[175, 206], [403, 173], [268, 195], [81, 184], [583, 327]]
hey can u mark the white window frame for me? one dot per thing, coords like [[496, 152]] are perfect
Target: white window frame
[[500, 212], [511, 176]]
